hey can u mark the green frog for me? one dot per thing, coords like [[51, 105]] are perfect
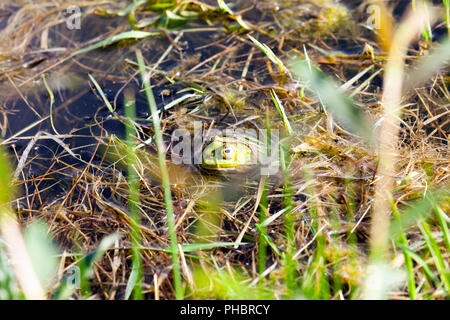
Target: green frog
[[220, 155], [229, 154]]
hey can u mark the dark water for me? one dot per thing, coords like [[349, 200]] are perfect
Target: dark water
[[78, 109]]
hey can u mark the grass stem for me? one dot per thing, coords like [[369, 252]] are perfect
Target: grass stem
[[133, 182], [164, 177]]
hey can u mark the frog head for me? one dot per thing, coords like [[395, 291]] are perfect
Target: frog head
[[228, 154]]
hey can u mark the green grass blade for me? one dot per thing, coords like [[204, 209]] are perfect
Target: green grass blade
[[52, 101], [435, 251], [418, 259], [289, 263], [164, 176], [443, 224], [102, 94], [133, 198], [269, 53], [238, 18], [447, 14], [420, 209], [281, 111], [116, 38], [133, 283], [408, 260], [262, 239]]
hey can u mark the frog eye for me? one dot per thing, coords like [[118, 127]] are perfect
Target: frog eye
[[227, 152]]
